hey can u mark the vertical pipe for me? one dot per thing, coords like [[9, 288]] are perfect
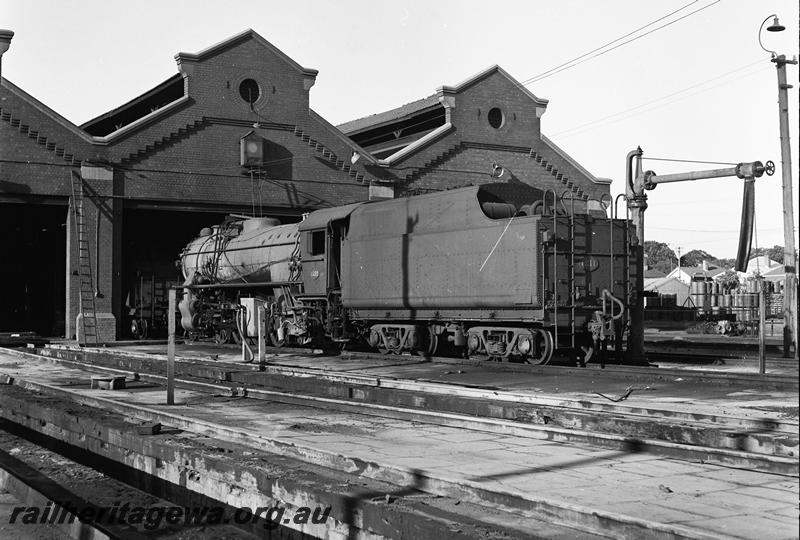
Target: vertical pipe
[[571, 281], [171, 348], [555, 269], [152, 301], [572, 297], [242, 325], [140, 310], [627, 287], [611, 250], [637, 203], [97, 250], [762, 320], [69, 320]]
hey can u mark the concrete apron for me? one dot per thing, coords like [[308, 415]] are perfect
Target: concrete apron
[[225, 470], [105, 431], [728, 457], [750, 443]]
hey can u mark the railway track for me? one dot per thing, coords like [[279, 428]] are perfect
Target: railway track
[[663, 365], [744, 442]]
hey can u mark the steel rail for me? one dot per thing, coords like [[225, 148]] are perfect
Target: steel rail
[[470, 391]]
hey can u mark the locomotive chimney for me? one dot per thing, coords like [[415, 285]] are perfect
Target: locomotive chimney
[[5, 42]]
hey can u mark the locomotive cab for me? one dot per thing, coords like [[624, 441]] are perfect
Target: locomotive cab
[[322, 234]]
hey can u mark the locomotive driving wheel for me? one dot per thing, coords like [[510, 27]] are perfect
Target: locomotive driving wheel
[[542, 347]]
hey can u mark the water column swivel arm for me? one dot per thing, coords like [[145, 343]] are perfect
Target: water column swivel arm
[[648, 180], [638, 182]]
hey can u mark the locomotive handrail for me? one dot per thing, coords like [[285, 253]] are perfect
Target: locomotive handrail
[[611, 218], [572, 200], [626, 288], [555, 260], [572, 298], [607, 294], [616, 206], [556, 199]]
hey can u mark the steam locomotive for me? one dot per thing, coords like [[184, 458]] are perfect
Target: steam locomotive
[[501, 270]]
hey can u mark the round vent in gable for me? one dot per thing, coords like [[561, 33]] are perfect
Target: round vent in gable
[[495, 117], [249, 91]]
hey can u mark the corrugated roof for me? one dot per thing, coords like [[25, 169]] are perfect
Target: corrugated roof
[[392, 115]]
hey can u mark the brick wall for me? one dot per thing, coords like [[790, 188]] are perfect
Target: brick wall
[[466, 154]]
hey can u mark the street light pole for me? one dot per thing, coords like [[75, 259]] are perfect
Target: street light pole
[[789, 257]]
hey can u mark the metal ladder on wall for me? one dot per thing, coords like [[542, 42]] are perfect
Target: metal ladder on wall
[[87, 289]]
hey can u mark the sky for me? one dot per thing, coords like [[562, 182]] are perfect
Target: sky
[[694, 85]]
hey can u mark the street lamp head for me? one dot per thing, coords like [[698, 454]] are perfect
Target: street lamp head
[[776, 26]]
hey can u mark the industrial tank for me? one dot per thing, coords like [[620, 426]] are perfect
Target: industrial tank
[[247, 251]]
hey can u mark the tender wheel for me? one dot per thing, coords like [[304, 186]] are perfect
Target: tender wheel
[[542, 347]]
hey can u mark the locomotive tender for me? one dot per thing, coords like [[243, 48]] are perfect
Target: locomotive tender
[[503, 270]]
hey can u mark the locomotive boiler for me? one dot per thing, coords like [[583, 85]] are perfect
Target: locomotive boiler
[[500, 270], [238, 251]]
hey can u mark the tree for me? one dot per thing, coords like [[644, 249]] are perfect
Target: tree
[[696, 258], [659, 256], [775, 253], [724, 263], [728, 280]]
